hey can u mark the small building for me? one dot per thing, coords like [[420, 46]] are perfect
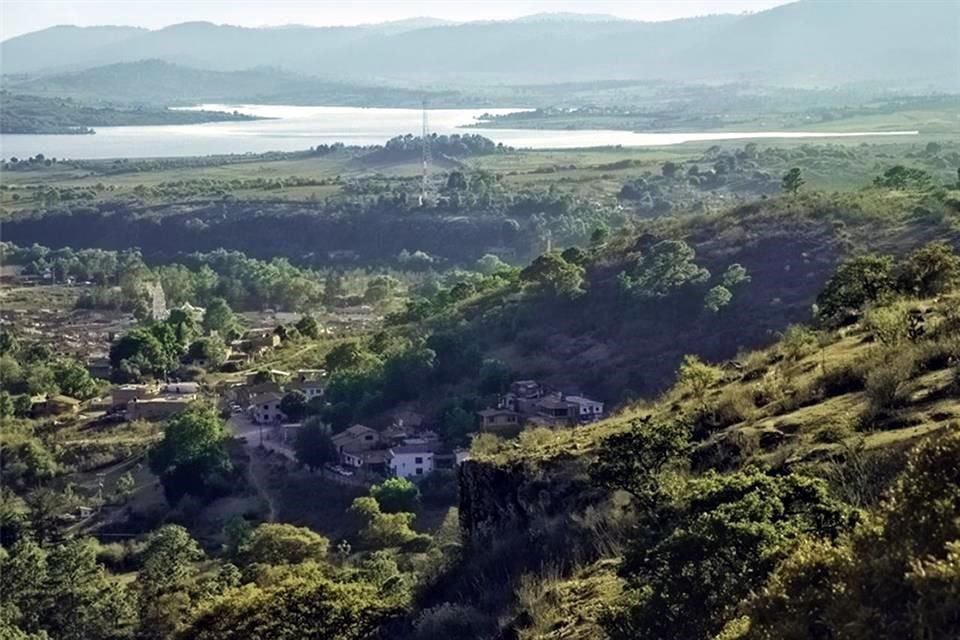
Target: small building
[[99, 367], [492, 419], [58, 405], [176, 388], [265, 409], [554, 411], [262, 337], [411, 460], [527, 389], [309, 388], [587, 410], [245, 394], [372, 460], [357, 438], [158, 407], [121, 396]]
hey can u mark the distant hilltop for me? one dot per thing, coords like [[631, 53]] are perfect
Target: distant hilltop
[[809, 44]]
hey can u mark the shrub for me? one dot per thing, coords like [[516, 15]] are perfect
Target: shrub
[[798, 342], [888, 325], [883, 386]]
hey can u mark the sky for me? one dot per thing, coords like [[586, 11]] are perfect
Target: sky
[[22, 16]]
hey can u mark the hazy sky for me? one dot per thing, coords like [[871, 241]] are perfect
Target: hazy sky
[[22, 16]]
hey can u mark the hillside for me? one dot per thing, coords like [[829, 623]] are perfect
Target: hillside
[[803, 44], [846, 406], [33, 114], [159, 82]]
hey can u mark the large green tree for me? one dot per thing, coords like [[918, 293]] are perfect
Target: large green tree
[[314, 445], [191, 458]]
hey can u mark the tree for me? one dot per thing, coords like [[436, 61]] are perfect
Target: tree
[[903, 178], [212, 350], [380, 288], [334, 289], [668, 266], [191, 458], [635, 459], [308, 327], [696, 376], [735, 274], [139, 353], [930, 270], [8, 343], [669, 169], [792, 181], [184, 326], [395, 495], [219, 317], [686, 578], [490, 264], [167, 580], [276, 543], [294, 405], [456, 181], [717, 298], [382, 529], [294, 609], [346, 355], [74, 380], [314, 445], [236, 535], [859, 280], [554, 275]]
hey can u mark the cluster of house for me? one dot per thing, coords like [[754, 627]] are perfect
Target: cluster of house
[[528, 402], [254, 343], [395, 451], [153, 401], [262, 399]]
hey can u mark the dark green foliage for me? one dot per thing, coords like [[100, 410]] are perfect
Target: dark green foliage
[[792, 181], [901, 177], [308, 327], [294, 405], [555, 276], [219, 317], [930, 270], [294, 609], [666, 267], [34, 114], [62, 591], [725, 537], [634, 459], [396, 495], [857, 281], [314, 446], [191, 458]]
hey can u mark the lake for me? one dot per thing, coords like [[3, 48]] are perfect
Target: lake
[[294, 128]]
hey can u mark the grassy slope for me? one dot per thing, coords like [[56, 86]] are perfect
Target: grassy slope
[[816, 432]]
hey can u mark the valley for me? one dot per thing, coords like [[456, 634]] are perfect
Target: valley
[[569, 326]]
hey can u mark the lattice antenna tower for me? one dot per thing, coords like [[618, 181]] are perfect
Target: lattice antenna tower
[[425, 144]]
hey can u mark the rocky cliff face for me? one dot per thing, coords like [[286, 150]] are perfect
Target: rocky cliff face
[[521, 497]]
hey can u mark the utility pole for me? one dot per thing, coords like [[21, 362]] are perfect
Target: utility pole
[[425, 150]]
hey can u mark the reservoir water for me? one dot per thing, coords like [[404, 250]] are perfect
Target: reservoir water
[[293, 128]]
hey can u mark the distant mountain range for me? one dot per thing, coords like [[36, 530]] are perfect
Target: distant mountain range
[[892, 43]]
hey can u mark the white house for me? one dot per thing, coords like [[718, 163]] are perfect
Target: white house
[[266, 409], [411, 460], [310, 388], [588, 410]]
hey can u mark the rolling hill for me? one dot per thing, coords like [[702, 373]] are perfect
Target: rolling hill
[[801, 44]]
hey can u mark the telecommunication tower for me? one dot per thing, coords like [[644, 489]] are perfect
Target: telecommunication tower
[[425, 148]]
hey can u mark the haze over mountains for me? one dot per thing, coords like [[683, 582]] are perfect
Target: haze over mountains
[[899, 43]]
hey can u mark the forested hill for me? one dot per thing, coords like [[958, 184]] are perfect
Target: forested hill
[[34, 114], [799, 44]]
